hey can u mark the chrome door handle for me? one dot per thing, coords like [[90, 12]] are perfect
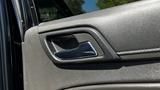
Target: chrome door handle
[[84, 50]]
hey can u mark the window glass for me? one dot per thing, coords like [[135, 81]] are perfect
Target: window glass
[[56, 9]]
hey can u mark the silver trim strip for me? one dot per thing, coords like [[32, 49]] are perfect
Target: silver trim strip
[[139, 51]]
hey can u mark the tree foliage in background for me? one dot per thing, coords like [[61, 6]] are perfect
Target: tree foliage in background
[[102, 4], [75, 5], [51, 9]]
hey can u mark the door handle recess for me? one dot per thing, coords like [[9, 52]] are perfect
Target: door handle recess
[[77, 45], [84, 50]]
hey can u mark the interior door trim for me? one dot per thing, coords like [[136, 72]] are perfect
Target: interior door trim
[[132, 86]]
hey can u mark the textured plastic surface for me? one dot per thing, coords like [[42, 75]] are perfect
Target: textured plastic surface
[[129, 27]]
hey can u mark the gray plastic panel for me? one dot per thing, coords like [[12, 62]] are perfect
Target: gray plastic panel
[[129, 27]]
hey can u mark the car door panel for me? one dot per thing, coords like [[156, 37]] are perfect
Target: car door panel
[[130, 31]]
